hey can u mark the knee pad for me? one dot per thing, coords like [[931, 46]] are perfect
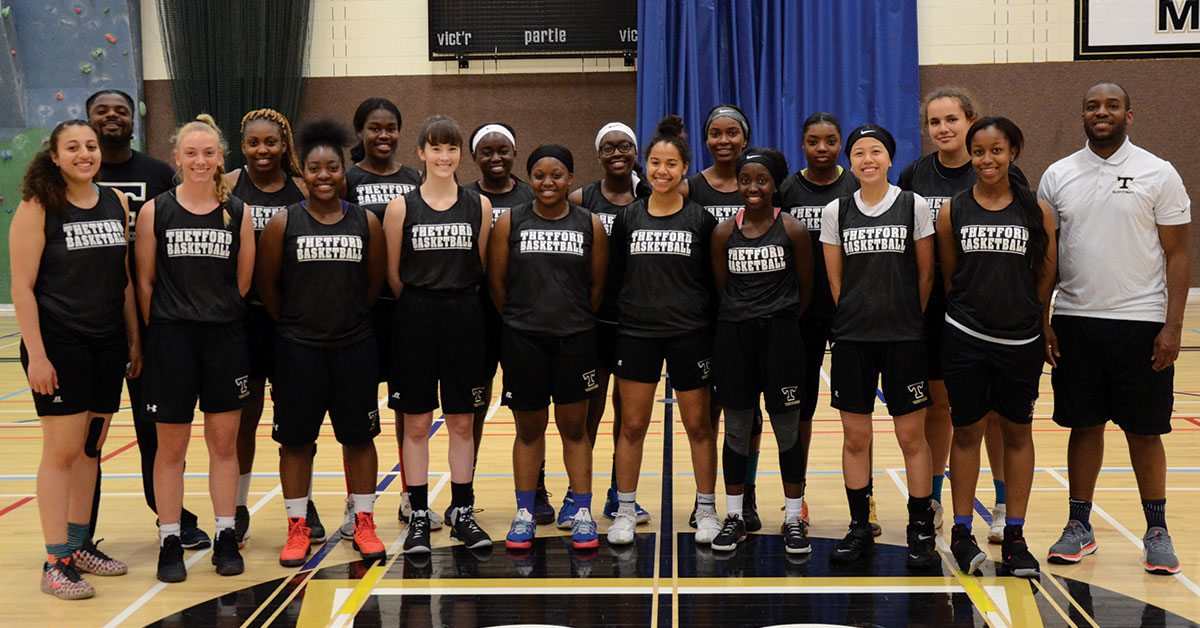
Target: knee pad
[[91, 446], [758, 423], [739, 425], [733, 464], [787, 428]]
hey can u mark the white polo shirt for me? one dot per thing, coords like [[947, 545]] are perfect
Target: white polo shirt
[[1110, 261]]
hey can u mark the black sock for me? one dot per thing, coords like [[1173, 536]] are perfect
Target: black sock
[[462, 494], [419, 496], [1156, 512], [542, 476], [613, 476], [871, 487], [860, 507], [920, 511], [1081, 511]]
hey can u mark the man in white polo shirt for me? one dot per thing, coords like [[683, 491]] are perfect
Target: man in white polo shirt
[[1123, 267]]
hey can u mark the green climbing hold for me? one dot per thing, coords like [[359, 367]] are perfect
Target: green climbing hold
[[106, 9], [142, 108], [6, 11], [125, 54], [86, 68], [96, 53]]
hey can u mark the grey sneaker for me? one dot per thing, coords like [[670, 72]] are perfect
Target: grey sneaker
[[1160, 554], [1076, 542]]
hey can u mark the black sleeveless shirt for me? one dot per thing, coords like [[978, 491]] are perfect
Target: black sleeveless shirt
[[881, 298], [196, 263], [373, 192], [722, 205], [804, 200], [762, 274], [81, 277], [521, 192], [440, 250], [323, 279], [549, 283], [993, 290], [261, 206], [593, 199]]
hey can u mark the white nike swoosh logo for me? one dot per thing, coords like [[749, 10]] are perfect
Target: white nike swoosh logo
[[842, 551], [922, 537]]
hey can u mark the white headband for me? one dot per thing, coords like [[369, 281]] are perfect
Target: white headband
[[616, 126], [492, 128]]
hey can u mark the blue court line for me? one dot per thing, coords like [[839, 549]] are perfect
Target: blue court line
[[17, 333], [14, 394], [1177, 392], [1191, 330]]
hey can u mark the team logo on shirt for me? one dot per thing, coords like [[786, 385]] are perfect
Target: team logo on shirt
[[993, 239], [477, 393], [199, 243], [810, 215], [589, 381], [723, 212], [881, 239], [935, 206], [339, 248], [94, 234], [243, 384], [443, 237], [1123, 185], [261, 215], [607, 221], [705, 365], [789, 395], [918, 391], [750, 260], [496, 213], [551, 241], [381, 193], [660, 242]]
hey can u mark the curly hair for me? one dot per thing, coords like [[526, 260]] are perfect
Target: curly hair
[[43, 178]]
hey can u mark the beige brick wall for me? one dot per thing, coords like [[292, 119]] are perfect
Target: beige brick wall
[[995, 31]]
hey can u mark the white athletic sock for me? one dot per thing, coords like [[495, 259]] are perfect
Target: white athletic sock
[[362, 502], [706, 499], [793, 507], [167, 529], [243, 489], [310, 483], [627, 501], [733, 506], [297, 507], [224, 523]]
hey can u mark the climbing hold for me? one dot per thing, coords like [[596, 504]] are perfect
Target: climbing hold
[[110, 38], [45, 139], [5, 155], [125, 53], [106, 10], [58, 96], [78, 10], [86, 68], [96, 53], [6, 11], [142, 108], [14, 52], [8, 210]]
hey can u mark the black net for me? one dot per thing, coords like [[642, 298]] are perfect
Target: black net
[[227, 58]]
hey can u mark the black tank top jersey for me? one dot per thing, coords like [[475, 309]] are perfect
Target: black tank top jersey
[[260, 205], [520, 193], [880, 299], [594, 200], [762, 275], [666, 287], [373, 192], [324, 279], [196, 263], [722, 205], [549, 284], [81, 277], [440, 250], [994, 291], [804, 200]]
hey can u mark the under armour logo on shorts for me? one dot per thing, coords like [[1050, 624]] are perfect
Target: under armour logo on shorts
[[918, 391], [789, 395], [478, 394], [704, 365], [150, 407], [243, 384], [589, 380]]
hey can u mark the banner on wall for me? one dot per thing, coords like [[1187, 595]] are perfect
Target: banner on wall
[[1123, 29], [514, 29]]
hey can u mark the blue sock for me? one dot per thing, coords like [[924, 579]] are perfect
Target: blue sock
[[583, 500], [999, 484], [751, 468], [525, 500], [1014, 521], [963, 520], [59, 550], [1081, 511], [1156, 513], [937, 486], [77, 535]]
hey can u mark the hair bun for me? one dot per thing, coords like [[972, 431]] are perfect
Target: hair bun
[[207, 119], [670, 126]]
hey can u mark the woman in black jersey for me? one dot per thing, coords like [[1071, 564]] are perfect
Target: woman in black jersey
[[879, 257], [195, 263], [267, 185], [547, 262], [762, 264], [437, 244], [663, 270], [77, 316], [998, 259], [320, 267]]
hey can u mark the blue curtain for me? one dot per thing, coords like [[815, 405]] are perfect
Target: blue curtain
[[780, 60]]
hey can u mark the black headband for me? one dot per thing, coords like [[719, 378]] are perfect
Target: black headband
[[550, 150], [778, 171], [875, 131]]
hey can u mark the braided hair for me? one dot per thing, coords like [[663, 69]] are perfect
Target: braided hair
[[291, 162]]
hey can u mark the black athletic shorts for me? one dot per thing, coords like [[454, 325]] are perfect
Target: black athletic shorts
[[443, 344], [90, 370], [761, 355], [1105, 374], [310, 381], [260, 341], [816, 336], [935, 318], [982, 376], [606, 348], [383, 315], [186, 360], [541, 367], [856, 369], [493, 329], [688, 357]]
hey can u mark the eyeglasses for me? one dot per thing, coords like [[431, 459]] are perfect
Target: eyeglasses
[[623, 147]]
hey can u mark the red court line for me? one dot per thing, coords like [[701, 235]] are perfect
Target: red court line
[[15, 505], [123, 448]]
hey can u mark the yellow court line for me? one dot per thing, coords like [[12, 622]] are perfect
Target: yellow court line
[[1073, 601], [1054, 604], [270, 597], [359, 595], [819, 582], [288, 600]]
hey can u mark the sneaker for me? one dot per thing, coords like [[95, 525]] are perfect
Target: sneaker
[[692, 517], [621, 532], [241, 525], [566, 514], [226, 557], [543, 512], [1075, 543], [804, 513], [583, 531], [523, 529], [435, 520], [795, 537], [873, 518], [996, 531], [938, 511], [922, 554], [733, 531], [63, 581], [193, 538], [296, 548], [1015, 556], [316, 531], [464, 529], [365, 540], [416, 541], [1160, 554], [89, 559], [405, 506], [965, 549], [611, 505], [708, 525], [750, 510], [347, 528], [170, 561], [858, 543]]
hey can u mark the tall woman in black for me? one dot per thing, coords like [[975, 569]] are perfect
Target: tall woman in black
[[998, 259], [195, 263], [762, 264], [320, 267], [547, 262], [77, 316], [437, 244]]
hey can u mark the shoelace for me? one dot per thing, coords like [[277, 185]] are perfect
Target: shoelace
[[1158, 543], [467, 518], [794, 526], [66, 569], [730, 526], [95, 551], [521, 526], [297, 538]]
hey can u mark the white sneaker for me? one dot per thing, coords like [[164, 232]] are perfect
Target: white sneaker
[[405, 507], [708, 525], [435, 520], [623, 527], [996, 532], [347, 528], [937, 513]]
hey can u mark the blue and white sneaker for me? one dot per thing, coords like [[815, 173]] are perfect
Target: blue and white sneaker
[[566, 514], [583, 530], [611, 505], [524, 528]]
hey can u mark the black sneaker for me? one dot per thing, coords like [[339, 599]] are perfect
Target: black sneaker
[[1015, 556], [417, 540], [750, 510], [795, 537], [241, 525], [543, 511], [858, 543], [226, 556], [732, 533], [463, 528], [170, 561], [316, 531], [692, 517], [193, 538], [922, 553], [967, 554]]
